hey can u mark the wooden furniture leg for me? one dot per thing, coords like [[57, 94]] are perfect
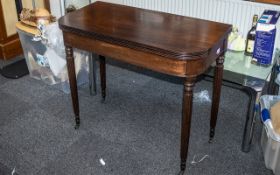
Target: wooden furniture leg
[[73, 83], [103, 76], [218, 77], [92, 74], [186, 120], [254, 97]]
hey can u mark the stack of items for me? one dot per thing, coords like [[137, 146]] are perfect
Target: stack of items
[[260, 43], [259, 46], [265, 37], [43, 47], [270, 105]]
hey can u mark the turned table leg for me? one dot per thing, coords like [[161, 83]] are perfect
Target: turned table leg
[[216, 94], [186, 119], [73, 83], [102, 61]]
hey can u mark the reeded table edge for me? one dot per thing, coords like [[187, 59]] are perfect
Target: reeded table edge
[[139, 46]]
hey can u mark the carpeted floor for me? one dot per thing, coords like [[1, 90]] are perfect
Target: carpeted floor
[[136, 131]]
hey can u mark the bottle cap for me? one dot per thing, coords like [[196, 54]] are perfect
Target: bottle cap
[[255, 19]]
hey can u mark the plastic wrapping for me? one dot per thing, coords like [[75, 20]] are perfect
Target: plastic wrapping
[[266, 102], [235, 41], [55, 39], [202, 97], [45, 57], [270, 140]]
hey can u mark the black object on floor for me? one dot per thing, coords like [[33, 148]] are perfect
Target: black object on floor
[[15, 70]]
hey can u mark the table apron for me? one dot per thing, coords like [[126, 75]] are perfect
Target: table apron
[[171, 66]]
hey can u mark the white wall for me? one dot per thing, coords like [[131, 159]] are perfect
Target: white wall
[[236, 12], [55, 8], [57, 11]]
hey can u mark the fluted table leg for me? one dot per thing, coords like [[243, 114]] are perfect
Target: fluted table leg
[[73, 83], [218, 77], [186, 120]]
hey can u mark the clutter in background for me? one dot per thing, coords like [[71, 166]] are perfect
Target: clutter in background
[[235, 41], [36, 16], [265, 37], [44, 50], [14, 171], [275, 117], [251, 36], [70, 8], [259, 45], [201, 97], [277, 62], [270, 140], [277, 81], [195, 161], [102, 162]]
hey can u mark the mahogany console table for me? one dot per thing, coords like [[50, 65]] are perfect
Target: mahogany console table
[[166, 43]]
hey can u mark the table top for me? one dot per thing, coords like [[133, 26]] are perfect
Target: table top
[[237, 62], [146, 30]]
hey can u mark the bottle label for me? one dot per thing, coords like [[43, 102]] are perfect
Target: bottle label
[[250, 47]]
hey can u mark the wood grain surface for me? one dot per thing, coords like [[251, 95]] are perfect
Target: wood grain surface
[[155, 32]]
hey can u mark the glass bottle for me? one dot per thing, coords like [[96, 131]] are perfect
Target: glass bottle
[[250, 42]]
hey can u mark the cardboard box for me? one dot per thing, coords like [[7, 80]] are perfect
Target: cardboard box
[[265, 37]]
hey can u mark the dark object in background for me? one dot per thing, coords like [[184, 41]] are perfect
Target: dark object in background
[[70, 8], [251, 37], [15, 70], [18, 6]]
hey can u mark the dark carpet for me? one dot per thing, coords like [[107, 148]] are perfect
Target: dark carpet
[[135, 132]]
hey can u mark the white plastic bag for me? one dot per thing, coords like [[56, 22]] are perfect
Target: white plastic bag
[[46, 58], [202, 97]]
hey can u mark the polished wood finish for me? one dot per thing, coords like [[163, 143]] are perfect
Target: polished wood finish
[[186, 119], [142, 59], [217, 84], [146, 30], [102, 62], [73, 83], [166, 43], [275, 2], [10, 49]]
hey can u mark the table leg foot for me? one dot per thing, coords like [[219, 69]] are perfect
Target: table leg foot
[[212, 134], [186, 119], [103, 96], [181, 173], [77, 122], [183, 165]]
